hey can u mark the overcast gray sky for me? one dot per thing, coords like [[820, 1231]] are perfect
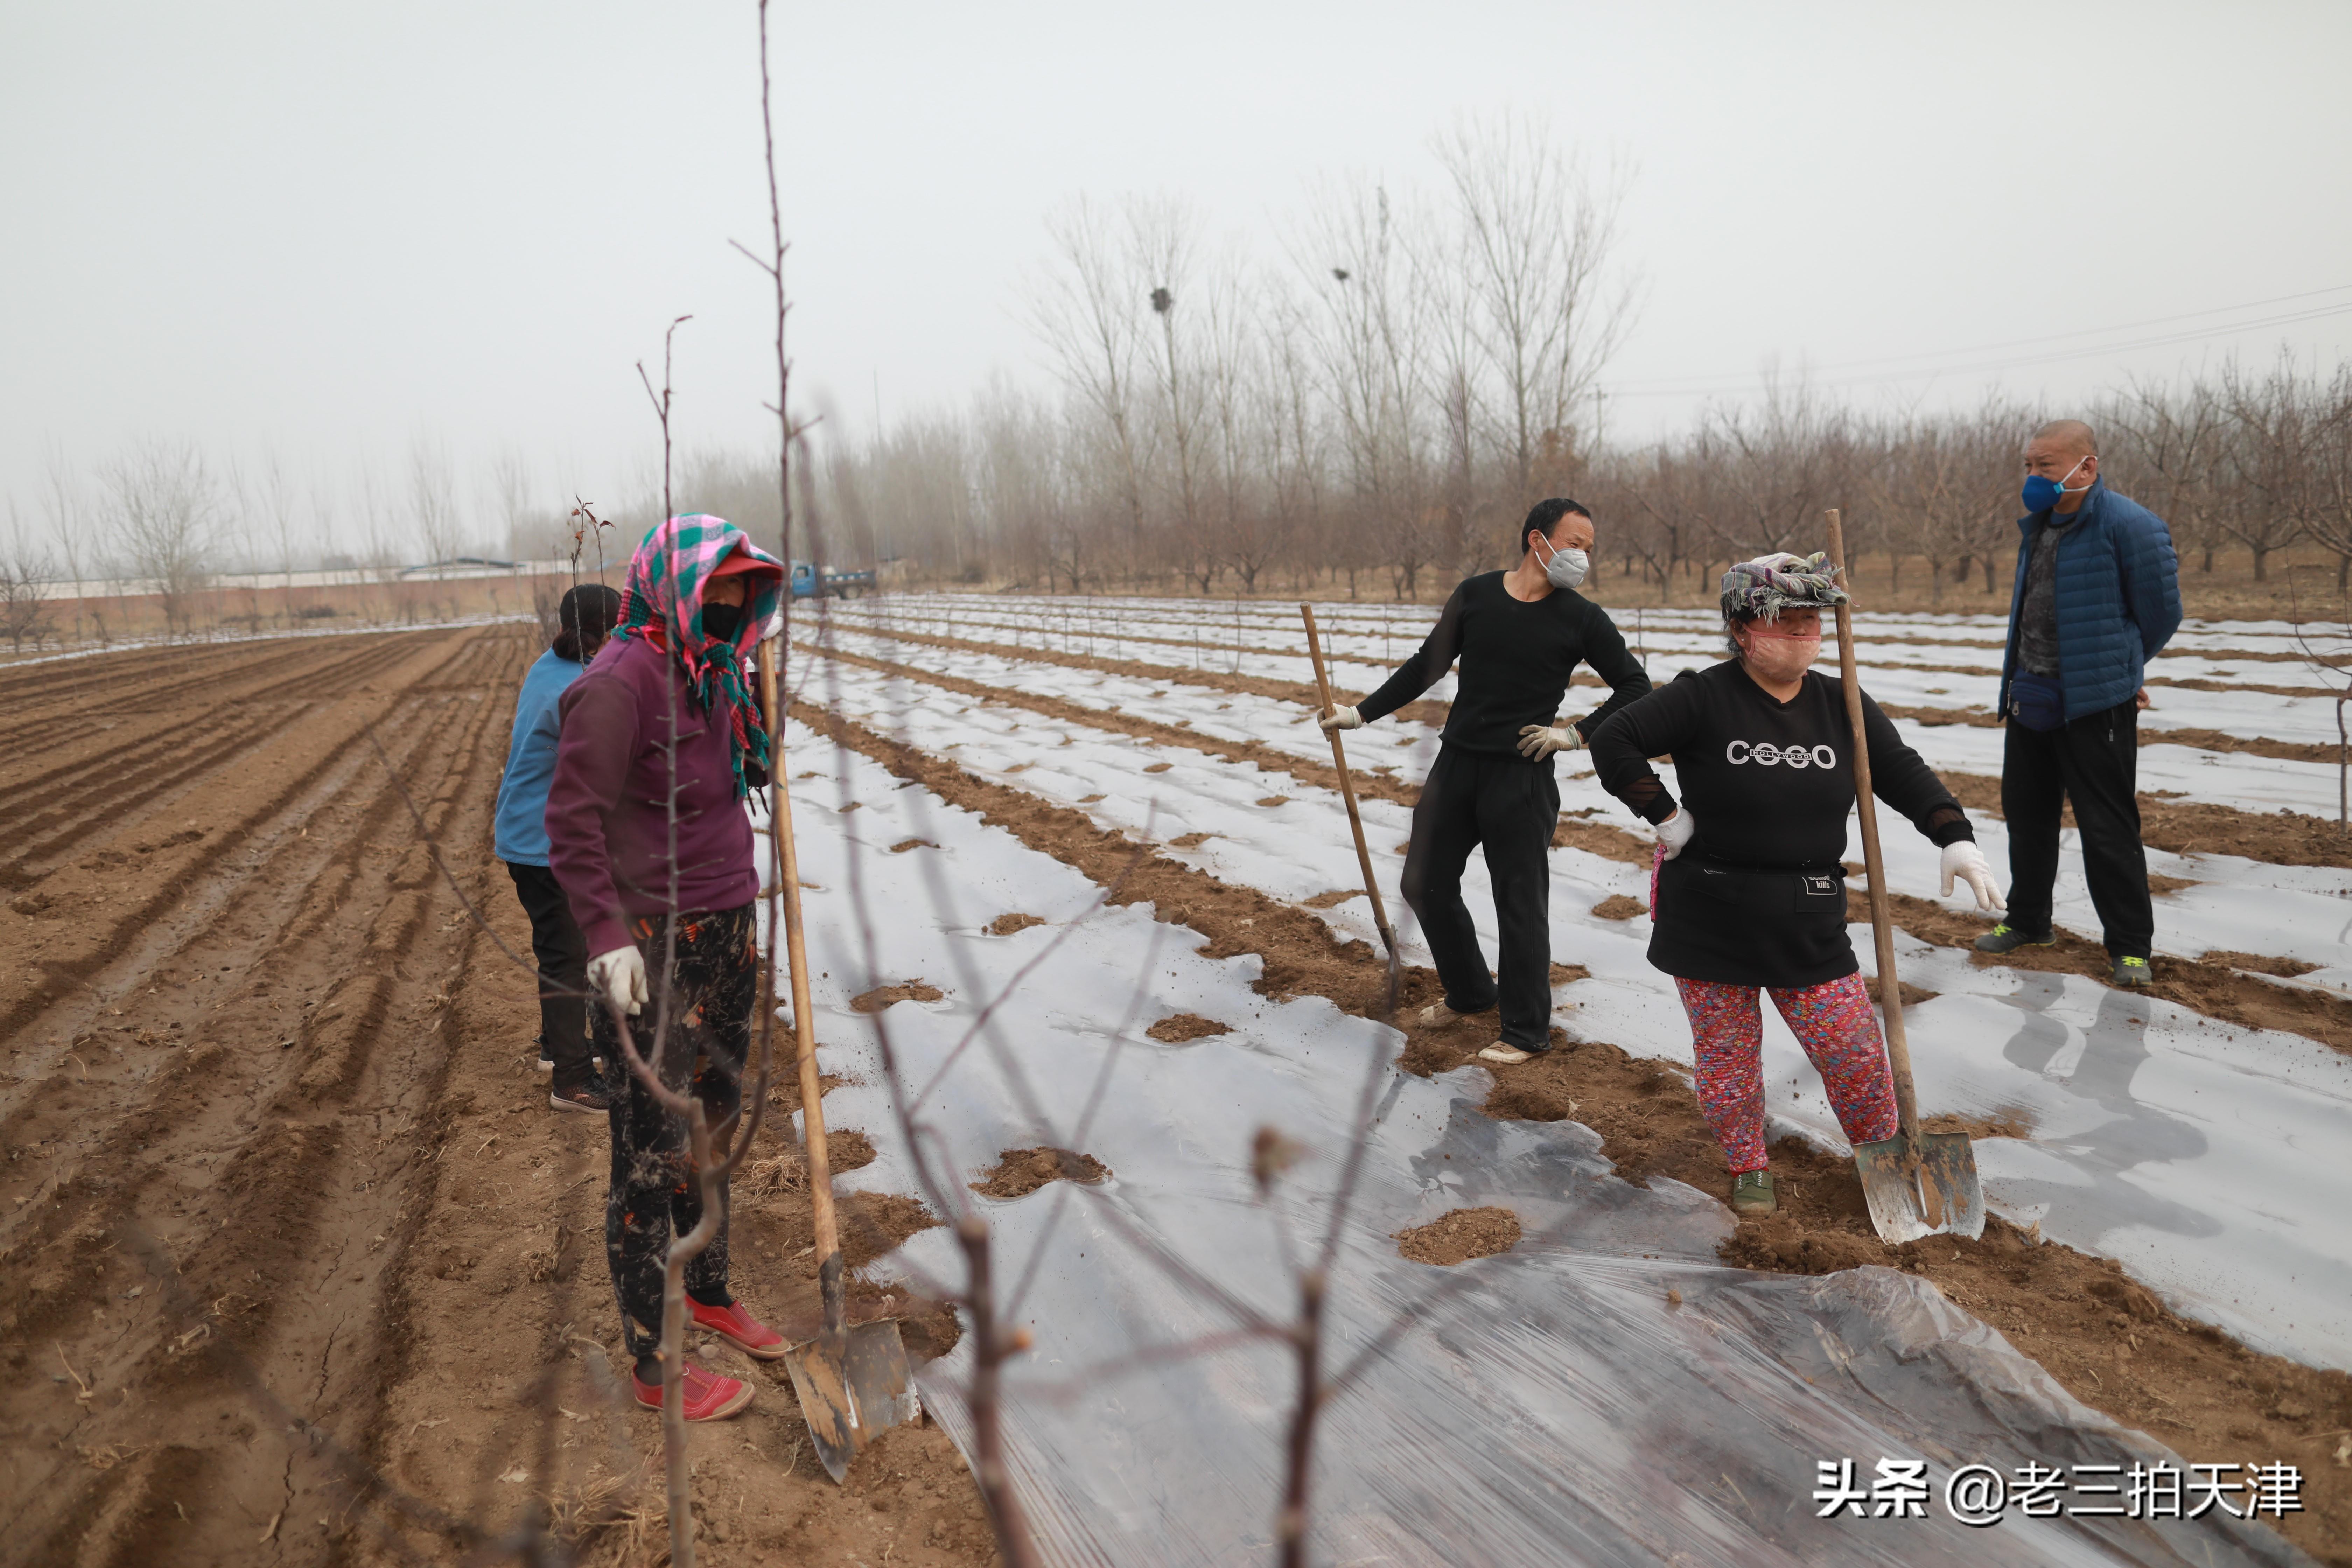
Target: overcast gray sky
[[329, 229]]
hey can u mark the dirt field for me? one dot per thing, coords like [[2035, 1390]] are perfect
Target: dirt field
[[296, 1264]]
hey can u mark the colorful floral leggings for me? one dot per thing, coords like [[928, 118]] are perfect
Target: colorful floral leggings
[[654, 1192], [1833, 1021]]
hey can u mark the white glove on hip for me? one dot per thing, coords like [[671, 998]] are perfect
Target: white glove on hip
[[1537, 742], [1675, 832], [1341, 717], [619, 976], [1964, 861]]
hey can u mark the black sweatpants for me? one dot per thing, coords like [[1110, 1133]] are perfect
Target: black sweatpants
[[1510, 807], [654, 1189], [562, 956], [2093, 762]]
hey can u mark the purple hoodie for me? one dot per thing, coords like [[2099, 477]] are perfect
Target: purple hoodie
[[607, 823]]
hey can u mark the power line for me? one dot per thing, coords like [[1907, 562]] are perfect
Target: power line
[[1694, 385]]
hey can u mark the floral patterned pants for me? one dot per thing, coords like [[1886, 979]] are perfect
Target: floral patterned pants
[[1831, 1021], [654, 1192]]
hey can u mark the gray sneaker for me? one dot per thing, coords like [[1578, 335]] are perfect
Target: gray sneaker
[[2005, 938], [2133, 972]]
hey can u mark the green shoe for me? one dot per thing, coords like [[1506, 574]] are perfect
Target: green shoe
[[1751, 1194], [2133, 972], [2003, 938]]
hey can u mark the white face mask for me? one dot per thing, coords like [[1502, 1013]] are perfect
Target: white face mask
[[1566, 568]]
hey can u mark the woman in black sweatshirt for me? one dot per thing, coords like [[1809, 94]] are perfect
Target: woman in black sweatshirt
[[1749, 889]]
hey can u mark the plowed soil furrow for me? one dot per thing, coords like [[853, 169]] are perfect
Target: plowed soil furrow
[[2215, 990], [242, 1201], [131, 682], [105, 790], [77, 918], [1366, 782], [2181, 827], [2106, 1337], [230, 1164]]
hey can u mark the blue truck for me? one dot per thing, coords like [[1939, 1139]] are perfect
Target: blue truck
[[808, 583]]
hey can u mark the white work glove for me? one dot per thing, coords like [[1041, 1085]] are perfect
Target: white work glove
[[1537, 742], [1676, 831], [1964, 861], [619, 976], [1341, 717]]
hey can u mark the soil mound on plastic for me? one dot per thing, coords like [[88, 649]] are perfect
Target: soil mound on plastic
[[1178, 1027], [1459, 1236], [1618, 906], [1020, 1171], [1005, 925], [1912, 994], [2189, 1385], [2260, 964], [882, 996]]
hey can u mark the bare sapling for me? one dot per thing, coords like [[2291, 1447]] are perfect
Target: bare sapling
[[2327, 652]]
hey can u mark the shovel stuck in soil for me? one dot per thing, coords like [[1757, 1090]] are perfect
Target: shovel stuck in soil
[[852, 1382], [1917, 1183]]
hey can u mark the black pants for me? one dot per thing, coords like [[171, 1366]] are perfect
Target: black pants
[[1510, 807], [654, 1189], [2093, 762], [562, 956]]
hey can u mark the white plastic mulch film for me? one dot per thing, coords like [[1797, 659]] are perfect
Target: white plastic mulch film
[[2173, 1142], [1554, 1405]]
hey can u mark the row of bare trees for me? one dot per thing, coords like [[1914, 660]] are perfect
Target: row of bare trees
[[1382, 405]]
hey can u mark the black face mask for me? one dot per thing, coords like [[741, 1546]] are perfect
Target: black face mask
[[721, 622]]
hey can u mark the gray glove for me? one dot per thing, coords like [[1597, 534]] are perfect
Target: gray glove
[[1341, 717], [1537, 742]]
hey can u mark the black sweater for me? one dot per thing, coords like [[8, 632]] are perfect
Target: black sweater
[[1757, 897], [1516, 658]]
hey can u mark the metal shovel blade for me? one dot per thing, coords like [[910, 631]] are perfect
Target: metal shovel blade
[[1939, 1194], [852, 1384]]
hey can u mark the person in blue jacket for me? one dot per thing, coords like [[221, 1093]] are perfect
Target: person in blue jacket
[[2098, 596], [587, 616]]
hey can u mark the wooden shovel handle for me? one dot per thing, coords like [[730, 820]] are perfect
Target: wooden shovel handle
[[788, 873], [1881, 924], [1347, 786]]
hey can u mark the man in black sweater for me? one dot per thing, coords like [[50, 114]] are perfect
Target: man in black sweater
[[1519, 634]]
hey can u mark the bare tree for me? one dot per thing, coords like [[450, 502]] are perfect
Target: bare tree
[[2281, 426], [25, 579], [67, 514], [1370, 325], [1538, 237], [166, 515], [433, 500], [2174, 441], [1085, 311]]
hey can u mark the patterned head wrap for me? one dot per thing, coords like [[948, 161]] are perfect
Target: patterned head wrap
[[1765, 587], [663, 605]]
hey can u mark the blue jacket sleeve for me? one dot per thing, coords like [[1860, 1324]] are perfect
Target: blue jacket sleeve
[[2151, 572]]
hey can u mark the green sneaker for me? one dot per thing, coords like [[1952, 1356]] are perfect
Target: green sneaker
[[2003, 938], [1751, 1194], [2133, 972]]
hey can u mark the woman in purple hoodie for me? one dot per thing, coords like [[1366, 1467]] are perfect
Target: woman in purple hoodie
[[661, 746]]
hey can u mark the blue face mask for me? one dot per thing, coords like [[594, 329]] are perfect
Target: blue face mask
[[2041, 494]]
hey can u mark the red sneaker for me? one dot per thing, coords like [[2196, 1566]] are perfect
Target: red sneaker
[[740, 1329], [708, 1397]]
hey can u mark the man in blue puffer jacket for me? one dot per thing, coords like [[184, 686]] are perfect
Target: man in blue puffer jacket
[[2097, 596]]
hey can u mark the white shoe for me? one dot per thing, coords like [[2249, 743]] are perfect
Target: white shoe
[[1438, 1015], [1509, 1055]]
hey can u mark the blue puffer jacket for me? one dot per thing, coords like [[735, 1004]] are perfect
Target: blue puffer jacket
[[2118, 600]]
